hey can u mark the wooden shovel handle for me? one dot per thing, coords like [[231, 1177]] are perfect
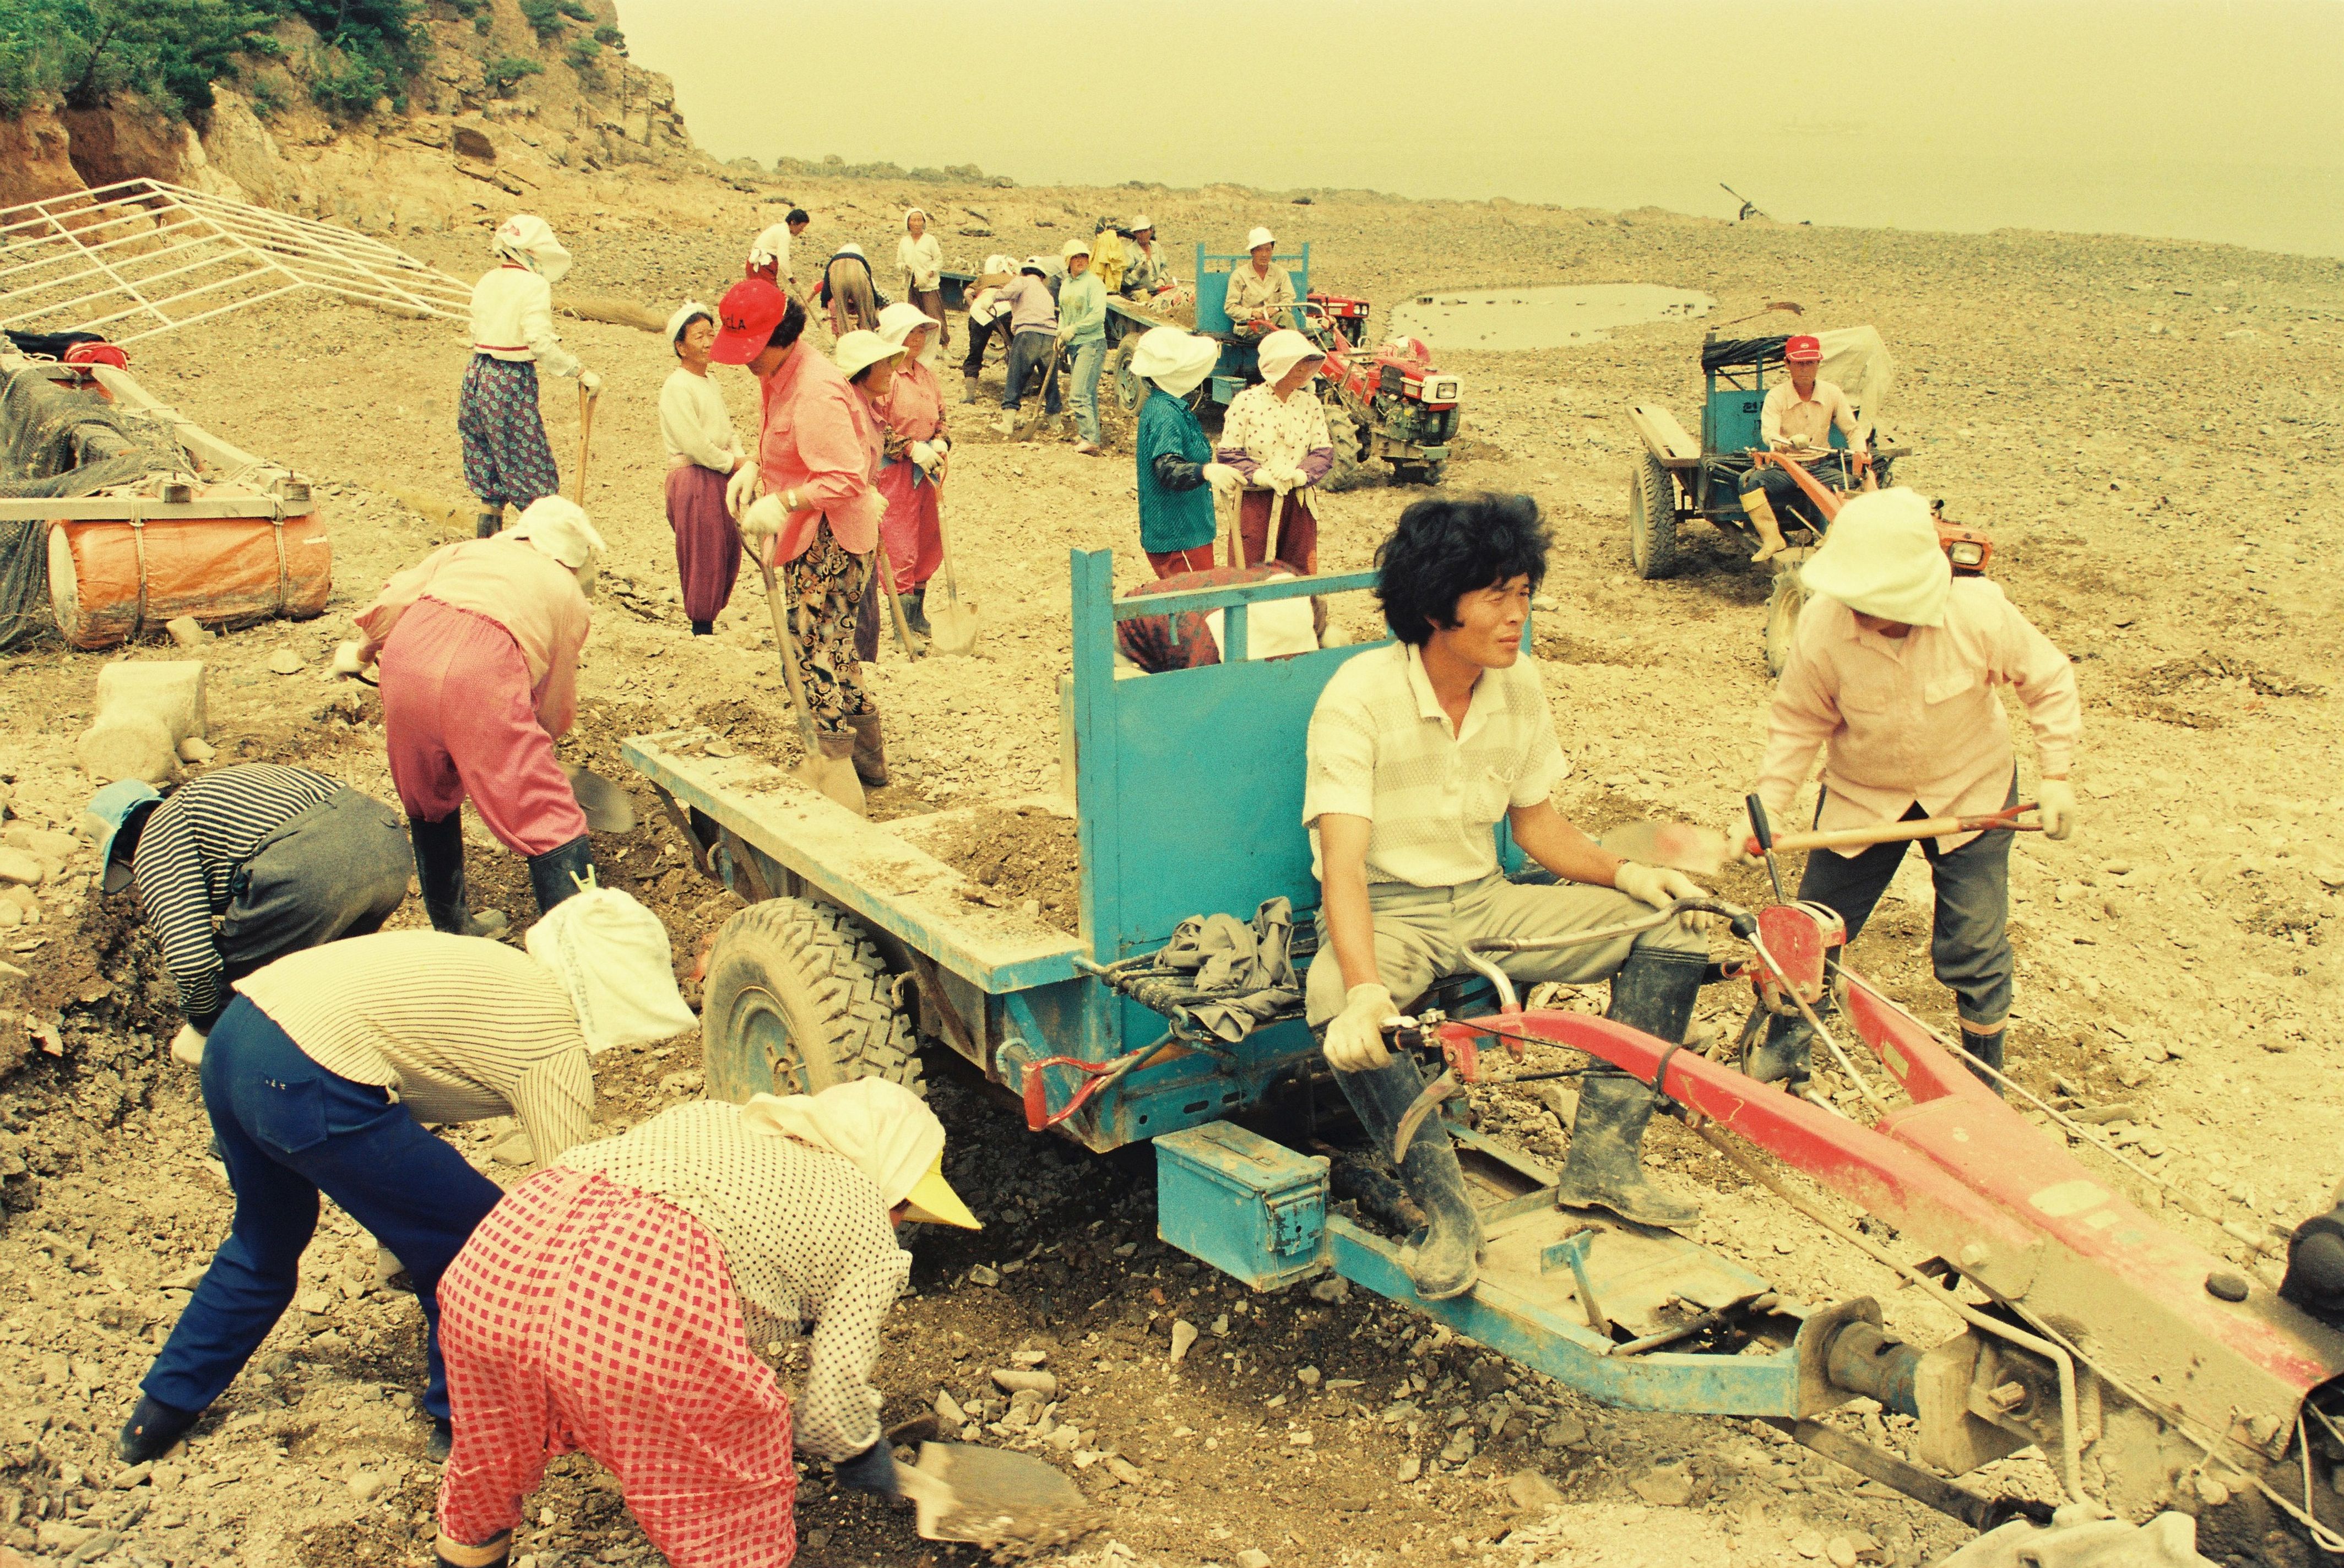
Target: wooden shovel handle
[[2006, 821]]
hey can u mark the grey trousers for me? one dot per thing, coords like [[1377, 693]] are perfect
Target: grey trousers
[[337, 869], [1421, 933]]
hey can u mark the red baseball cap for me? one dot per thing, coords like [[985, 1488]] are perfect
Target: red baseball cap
[[745, 319], [1800, 350]]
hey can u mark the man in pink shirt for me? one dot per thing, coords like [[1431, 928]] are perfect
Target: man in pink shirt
[[1892, 677]]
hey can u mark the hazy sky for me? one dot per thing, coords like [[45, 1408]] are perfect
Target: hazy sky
[[2214, 119]]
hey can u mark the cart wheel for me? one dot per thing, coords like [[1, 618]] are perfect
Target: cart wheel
[[1130, 389], [1652, 518], [797, 1000], [1782, 607], [1346, 472]]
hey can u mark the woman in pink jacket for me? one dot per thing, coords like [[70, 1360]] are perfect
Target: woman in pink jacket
[[817, 454]]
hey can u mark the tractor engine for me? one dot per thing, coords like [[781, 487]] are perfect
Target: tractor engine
[[1412, 401]]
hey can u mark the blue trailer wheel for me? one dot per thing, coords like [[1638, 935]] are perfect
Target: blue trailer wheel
[[797, 999]]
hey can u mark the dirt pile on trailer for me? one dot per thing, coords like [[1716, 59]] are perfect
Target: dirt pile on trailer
[[1021, 857]]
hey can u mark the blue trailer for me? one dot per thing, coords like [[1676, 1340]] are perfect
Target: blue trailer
[[1128, 319]]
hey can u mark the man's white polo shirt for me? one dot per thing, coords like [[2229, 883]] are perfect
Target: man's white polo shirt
[[1381, 748]]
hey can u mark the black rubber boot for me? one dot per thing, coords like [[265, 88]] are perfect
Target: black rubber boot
[[1655, 991], [557, 873], [1986, 1048], [703, 628], [2315, 1266], [1781, 1056], [1443, 1259], [916, 613], [152, 1429], [489, 524], [443, 1439], [440, 872]]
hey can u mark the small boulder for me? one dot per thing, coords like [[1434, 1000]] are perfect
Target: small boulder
[[1667, 1485]]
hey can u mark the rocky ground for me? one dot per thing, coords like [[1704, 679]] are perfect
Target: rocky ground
[[2142, 427]]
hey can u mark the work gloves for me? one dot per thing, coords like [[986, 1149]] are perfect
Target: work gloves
[[873, 1470], [742, 489], [1355, 1039], [347, 663], [2055, 800], [1225, 480], [187, 1045], [1659, 887], [591, 382], [1285, 479], [925, 456], [764, 519]]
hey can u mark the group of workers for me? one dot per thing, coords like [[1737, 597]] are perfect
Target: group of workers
[[325, 1044]]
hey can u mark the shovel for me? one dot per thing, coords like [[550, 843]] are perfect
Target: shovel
[[1026, 426], [912, 647], [832, 776], [952, 625], [586, 402], [608, 807], [993, 1498], [1703, 850]]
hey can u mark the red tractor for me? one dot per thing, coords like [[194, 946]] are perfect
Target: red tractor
[[1403, 410]]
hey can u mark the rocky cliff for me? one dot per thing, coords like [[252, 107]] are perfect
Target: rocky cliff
[[497, 114]]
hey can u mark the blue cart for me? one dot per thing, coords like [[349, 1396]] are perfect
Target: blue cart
[[859, 945], [1128, 319]]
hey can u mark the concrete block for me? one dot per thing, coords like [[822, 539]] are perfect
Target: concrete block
[[137, 746], [187, 632], [170, 690]]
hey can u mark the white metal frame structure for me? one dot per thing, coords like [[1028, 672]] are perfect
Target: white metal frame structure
[[139, 258]]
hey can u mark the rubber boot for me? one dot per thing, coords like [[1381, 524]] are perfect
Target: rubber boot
[[1443, 1260], [703, 628], [1986, 1048], [915, 609], [1654, 992], [560, 871], [1761, 513], [494, 1552], [2315, 1266], [870, 749], [1781, 1056], [440, 872], [489, 524], [152, 1429], [968, 388]]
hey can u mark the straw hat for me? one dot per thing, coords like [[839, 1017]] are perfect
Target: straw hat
[[858, 351]]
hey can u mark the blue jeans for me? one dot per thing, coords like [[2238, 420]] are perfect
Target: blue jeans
[[1029, 351], [1088, 358], [290, 1129]]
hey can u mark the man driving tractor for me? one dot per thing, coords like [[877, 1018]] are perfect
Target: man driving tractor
[[1260, 295], [1796, 420], [1416, 752]]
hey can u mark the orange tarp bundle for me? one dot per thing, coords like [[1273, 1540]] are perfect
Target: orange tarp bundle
[[110, 580]]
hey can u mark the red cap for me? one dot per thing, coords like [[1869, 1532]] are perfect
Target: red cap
[[746, 317], [1802, 349]]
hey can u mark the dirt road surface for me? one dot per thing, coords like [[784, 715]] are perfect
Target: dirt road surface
[[2151, 432]]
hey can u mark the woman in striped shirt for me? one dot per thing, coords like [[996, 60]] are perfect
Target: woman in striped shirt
[[320, 1078]]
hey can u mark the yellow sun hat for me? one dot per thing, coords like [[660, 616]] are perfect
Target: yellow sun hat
[[933, 1201]]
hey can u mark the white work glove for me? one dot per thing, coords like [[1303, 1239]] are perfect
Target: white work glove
[[925, 456], [1659, 887], [1295, 478], [742, 489], [187, 1046], [1355, 1038], [2055, 800], [1225, 480], [347, 663], [764, 519], [592, 381]]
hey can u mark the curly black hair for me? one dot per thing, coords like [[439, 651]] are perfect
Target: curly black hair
[[1443, 550]]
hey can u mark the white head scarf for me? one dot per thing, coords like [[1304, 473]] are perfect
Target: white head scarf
[[682, 318], [1173, 360], [851, 248], [557, 525], [1281, 352], [527, 239], [912, 212], [883, 1129], [612, 957], [901, 319], [767, 249], [997, 264], [1880, 557]]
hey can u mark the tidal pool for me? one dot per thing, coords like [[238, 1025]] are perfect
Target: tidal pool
[[1563, 316]]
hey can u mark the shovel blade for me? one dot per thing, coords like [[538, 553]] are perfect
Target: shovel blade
[[607, 806], [1678, 845], [952, 628], [995, 1498], [834, 777]]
